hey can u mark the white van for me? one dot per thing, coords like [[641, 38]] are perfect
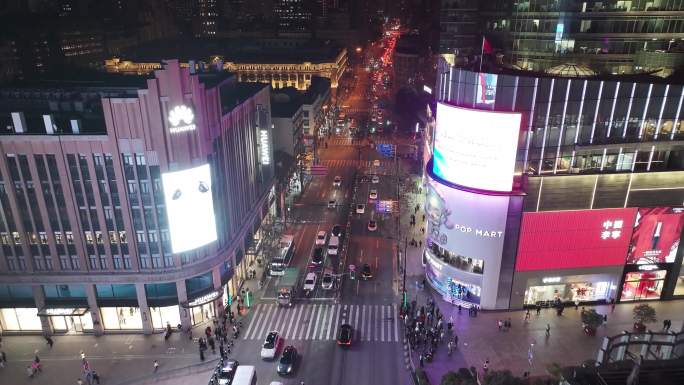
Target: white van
[[333, 245], [245, 375]]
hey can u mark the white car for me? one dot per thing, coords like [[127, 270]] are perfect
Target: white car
[[321, 237], [332, 204], [375, 179], [360, 208], [327, 281], [337, 182], [373, 194], [376, 163], [270, 347], [310, 282], [372, 225]]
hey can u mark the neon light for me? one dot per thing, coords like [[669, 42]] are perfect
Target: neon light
[[643, 117], [560, 135], [676, 121], [598, 103], [546, 127], [181, 114], [579, 116], [629, 109], [662, 108], [612, 110]]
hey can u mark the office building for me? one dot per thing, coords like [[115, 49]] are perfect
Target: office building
[[130, 202], [545, 190]]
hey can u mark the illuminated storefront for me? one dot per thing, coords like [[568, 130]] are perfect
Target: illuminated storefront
[[20, 319], [161, 316], [562, 289], [121, 318], [68, 320], [644, 284]]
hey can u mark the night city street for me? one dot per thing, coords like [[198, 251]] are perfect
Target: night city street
[[341, 192]]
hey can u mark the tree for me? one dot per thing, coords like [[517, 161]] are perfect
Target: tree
[[462, 377], [502, 377], [643, 314], [591, 320]]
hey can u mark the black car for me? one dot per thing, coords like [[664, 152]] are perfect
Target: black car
[[227, 372], [337, 230], [344, 335], [288, 361], [318, 256], [366, 271]]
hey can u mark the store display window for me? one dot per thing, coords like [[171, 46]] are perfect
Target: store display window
[[163, 315], [121, 318], [75, 324], [20, 319], [566, 292], [471, 265], [643, 285]]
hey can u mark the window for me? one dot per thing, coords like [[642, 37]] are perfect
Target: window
[[69, 237], [22, 263], [127, 261], [128, 160], [75, 262], [152, 236], [168, 260], [16, 237], [48, 263], [140, 236], [140, 159], [4, 238], [98, 238], [64, 262], [38, 263], [112, 237], [89, 237], [11, 264], [92, 260], [98, 160], [131, 187], [117, 262], [58, 237], [33, 238], [43, 238], [144, 261], [144, 187], [122, 237], [156, 260], [103, 262]]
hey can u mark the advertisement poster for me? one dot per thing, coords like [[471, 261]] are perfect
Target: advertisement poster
[[656, 235], [465, 223], [486, 89], [475, 148], [574, 239], [190, 208]]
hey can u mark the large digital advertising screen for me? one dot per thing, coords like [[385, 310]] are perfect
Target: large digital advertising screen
[[475, 148], [471, 225], [656, 235], [574, 239], [190, 208], [486, 88]]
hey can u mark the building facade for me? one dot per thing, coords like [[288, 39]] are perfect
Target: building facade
[[292, 74], [583, 195], [127, 207]]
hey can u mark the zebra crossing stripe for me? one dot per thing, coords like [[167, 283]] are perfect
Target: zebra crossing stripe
[[337, 319], [321, 310], [363, 323], [254, 319], [292, 330], [396, 321], [335, 314], [306, 321], [271, 314], [316, 335], [356, 319], [259, 316], [289, 314], [311, 321], [382, 323]]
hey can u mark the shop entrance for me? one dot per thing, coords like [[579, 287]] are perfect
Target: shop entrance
[[203, 308], [644, 285], [68, 319]]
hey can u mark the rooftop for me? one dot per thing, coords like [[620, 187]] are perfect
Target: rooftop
[[234, 94], [234, 50]]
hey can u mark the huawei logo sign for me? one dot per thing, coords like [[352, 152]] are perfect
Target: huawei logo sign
[[181, 119]]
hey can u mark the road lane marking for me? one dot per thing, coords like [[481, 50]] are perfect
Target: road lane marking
[[317, 335], [297, 323], [335, 316], [363, 322], [307, 319], [271, 313], [321, 310], [289, 313], [376, 324], [396, 321], [292, 328], [276, 323], [259, 318], [382, 323], [337, 319], [254, 319], [311, 321], [356, 318]]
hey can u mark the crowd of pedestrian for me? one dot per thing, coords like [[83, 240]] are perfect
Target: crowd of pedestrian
[[426, 329], [218, 336]]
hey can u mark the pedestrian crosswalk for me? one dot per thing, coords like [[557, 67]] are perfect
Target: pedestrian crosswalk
[[332, 163], [320, 322]]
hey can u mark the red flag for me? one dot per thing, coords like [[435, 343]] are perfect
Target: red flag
[[486, 47]]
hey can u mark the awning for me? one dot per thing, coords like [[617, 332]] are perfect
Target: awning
[[204, 299], [62, 311]]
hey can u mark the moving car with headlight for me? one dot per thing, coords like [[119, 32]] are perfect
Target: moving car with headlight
[[321, 237], [373, 194], [375, 179], [366, 272], [288, 361], [360, 208], [310, 283], [269, 349], [372, 225], [327, 281], [318, 256], [337, 182]]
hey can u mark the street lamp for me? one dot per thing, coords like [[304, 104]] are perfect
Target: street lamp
[[358, 49]]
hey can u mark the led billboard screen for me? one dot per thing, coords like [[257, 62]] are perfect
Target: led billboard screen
[[475, 148], [465, 223], [190, 208], [574, 239], [656, 235]]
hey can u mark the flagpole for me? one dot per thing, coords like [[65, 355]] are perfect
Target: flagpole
[[482, 52]]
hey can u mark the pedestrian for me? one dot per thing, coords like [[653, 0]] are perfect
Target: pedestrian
[[527, 315], [201, 352], [423, 217], [485, 366], [577, 302], [455, 341], [548, 330], [420, 243], [612, 305], [156, 366], [459, 308], [500, 323], [538, 309], [82, 355], [49, 341], [450, 346], [421, 360], [79, 381], [3, 358], [30, 371], [212, 344]]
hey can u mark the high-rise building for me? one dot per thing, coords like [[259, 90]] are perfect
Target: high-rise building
[[609, 37], [130, 202], [293, 16], [205, 18]]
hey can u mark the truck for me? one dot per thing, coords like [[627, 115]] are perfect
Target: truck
[[287, 286]]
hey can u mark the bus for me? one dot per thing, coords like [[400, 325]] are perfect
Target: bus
[[245, 375], [281, 260]]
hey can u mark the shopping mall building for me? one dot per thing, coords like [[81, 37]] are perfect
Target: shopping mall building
[[549, 189], [130, 202]]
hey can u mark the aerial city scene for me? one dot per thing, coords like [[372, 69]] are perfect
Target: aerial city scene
[[341, 192]]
